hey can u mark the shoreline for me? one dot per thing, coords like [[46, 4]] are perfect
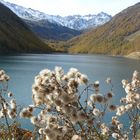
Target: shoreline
[[133, 55]]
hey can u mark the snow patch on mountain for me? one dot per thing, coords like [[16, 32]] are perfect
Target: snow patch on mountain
[[77, 22]]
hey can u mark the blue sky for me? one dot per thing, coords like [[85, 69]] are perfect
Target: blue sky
[[71, 7]]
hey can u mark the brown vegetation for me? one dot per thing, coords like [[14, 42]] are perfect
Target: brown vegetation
[[111, 38]]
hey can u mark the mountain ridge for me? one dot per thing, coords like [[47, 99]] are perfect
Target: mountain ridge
[[76, 22]]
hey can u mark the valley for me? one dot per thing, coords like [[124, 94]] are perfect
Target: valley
[[88, 34]]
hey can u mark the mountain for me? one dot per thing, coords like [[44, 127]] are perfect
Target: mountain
[[120, 36], [79, 22], [51, 31], [38, 22], [16, 37], [76, 22]]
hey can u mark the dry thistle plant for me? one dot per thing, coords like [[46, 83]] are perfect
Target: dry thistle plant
[[8, 107], [63, 115], [9, 127]]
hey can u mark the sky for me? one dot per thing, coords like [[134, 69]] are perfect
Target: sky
[[76, 7]]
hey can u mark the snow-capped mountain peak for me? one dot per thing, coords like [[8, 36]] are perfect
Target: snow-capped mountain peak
[[76, 22]]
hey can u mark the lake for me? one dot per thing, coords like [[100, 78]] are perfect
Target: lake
[[23, 68]]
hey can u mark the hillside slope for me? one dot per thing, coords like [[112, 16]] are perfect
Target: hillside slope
[[51, 31], [113, 37], [15, 36]]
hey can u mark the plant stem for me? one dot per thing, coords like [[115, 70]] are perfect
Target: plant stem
[[6, 120]]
